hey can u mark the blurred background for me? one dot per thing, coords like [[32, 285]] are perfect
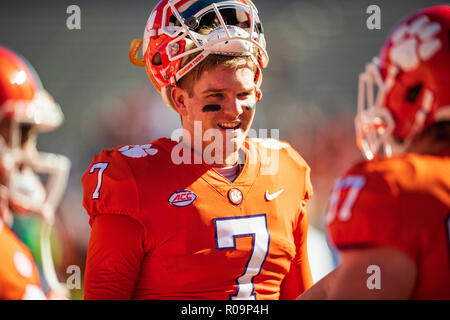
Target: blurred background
[[317, 50]]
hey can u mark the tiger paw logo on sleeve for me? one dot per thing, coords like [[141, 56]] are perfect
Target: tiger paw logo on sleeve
[[138, 151]]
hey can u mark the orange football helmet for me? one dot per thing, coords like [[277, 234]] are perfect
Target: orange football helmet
[[406, 89], [173, 32]]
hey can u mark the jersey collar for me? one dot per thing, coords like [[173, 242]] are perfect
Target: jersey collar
[[244, 181]]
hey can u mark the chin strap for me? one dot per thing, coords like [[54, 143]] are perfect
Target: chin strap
[[133, 55], [57, 167], [5, 214], [48, 266]]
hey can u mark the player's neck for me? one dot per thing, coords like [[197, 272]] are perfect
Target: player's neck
[[230, 173], [233, 171], [225, 160], [231, 160]]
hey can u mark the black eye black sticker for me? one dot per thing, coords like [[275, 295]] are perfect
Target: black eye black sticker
[[217, 107], [251, 106], [211, 108]]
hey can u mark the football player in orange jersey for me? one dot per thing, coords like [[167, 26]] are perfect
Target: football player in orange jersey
[[215, 215], [390, 216], [25, 110]]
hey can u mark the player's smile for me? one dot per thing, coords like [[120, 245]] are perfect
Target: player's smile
[[229, 125]]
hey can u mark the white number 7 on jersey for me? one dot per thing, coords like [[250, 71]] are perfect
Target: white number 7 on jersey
[[101, 166], [227, 230]]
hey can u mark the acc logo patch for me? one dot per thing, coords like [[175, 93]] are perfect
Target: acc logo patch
[[182, 198]]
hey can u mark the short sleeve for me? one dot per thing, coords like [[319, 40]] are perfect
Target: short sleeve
[[109, 187]]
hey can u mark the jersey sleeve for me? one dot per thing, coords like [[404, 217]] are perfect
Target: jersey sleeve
[[114, 258], [364, 211], [109, 187], [116, 245], [299, 278]]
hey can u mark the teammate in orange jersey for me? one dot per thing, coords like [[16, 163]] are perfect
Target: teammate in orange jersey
[[390, 217], [19, 277], [25, 110], [215, 215]]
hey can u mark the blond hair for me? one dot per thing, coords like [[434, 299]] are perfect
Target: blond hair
[[211, 62]]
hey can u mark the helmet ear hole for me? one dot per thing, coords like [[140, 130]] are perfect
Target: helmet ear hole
[[413, 93], [156, 61]]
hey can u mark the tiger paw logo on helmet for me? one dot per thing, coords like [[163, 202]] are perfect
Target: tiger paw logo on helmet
[[415, 43], [138, 151]]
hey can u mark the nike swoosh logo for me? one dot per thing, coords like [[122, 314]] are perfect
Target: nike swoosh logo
[[273, 195]]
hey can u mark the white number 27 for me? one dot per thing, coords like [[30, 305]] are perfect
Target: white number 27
[[227, 230], [355, 183]]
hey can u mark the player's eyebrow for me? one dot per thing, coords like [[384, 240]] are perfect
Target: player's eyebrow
[[218, 90], [213, 90]]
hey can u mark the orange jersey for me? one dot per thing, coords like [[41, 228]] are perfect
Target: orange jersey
[[404, 203], [19, 277], [195, 234]]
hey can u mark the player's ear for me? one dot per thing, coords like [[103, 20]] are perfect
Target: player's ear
[[179, 97]]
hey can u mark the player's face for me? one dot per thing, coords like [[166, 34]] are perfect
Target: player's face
[[21, 175], [223, 102]]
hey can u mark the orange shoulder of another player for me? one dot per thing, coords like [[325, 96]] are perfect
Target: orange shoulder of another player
[[407, 173], [19, 278], [375, 201], [110, 183]]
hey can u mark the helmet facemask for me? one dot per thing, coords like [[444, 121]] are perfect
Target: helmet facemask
[[23, 164], [374, 123]]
